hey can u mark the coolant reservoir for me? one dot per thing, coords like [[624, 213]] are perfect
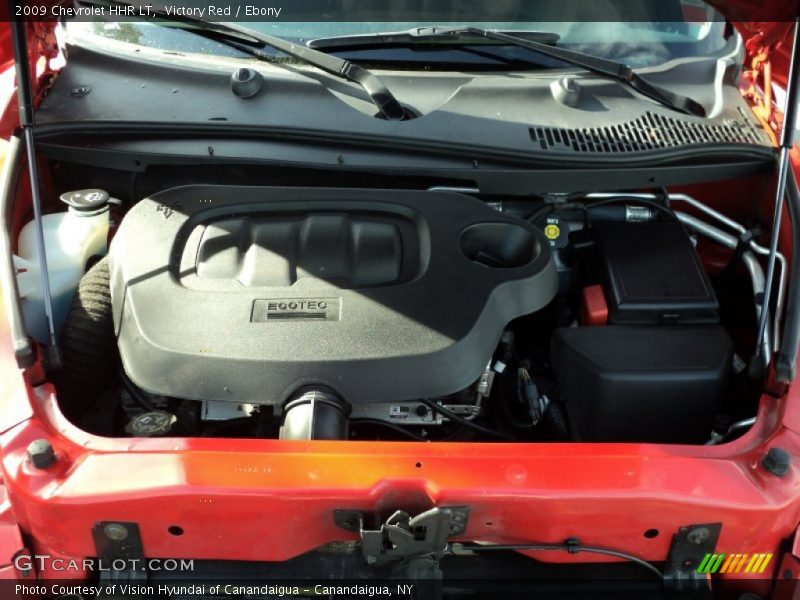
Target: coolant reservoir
[[71, 238]]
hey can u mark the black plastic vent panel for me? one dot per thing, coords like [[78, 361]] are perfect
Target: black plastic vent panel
[[648, 132]]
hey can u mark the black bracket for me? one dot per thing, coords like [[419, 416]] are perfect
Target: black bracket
[[119, 548], [403, 537], [689, 547]]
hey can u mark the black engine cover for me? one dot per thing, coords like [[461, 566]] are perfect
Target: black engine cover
[[247, 294]]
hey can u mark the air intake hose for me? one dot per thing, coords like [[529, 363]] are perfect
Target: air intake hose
[[88, 345], [315, 414]]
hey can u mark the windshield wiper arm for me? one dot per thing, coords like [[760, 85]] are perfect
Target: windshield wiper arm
[[617, 71], [602, 66], [250, 42]]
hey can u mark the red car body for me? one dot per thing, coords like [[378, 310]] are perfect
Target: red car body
[[270, 500]]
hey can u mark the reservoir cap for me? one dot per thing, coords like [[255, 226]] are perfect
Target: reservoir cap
[[86, 201]]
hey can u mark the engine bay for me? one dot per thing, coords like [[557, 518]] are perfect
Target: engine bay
[[424, 315]]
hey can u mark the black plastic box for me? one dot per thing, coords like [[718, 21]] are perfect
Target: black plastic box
[[642, 384], [652, 274]]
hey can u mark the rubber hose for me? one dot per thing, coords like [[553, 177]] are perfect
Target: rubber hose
[[556, 418], [88, 345], [510, 392]]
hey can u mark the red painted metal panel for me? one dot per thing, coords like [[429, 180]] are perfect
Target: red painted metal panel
[[271, 500]]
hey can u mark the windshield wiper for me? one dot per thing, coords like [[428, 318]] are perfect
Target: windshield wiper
[[252, 43], [535, 41], [422, 35]]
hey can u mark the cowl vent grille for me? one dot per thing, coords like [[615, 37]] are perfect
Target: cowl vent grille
[[648, 132]]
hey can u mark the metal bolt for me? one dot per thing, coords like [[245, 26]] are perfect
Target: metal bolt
[[116, 532], [80, 91], [41, 454], [698, 535]]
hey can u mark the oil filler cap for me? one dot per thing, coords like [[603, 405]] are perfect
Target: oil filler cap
[[151, 424]]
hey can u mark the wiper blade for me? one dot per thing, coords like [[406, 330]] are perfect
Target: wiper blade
[[252, 43], [423, 35], [610, 69]]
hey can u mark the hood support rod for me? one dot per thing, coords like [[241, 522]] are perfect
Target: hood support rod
[[787, 138], [26, 120]]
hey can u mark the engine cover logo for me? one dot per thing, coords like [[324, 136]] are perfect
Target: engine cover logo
[[296, 309]]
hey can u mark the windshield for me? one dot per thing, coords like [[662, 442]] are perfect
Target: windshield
[[656, 32]]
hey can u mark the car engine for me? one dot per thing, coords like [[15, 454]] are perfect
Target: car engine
[[432, 315], [247, 295]]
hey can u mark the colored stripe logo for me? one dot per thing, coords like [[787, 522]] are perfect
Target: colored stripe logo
[[734, 563]]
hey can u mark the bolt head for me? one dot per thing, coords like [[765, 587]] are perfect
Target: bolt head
[[115, 531], [777, 461], [698, 535], [41, 454]]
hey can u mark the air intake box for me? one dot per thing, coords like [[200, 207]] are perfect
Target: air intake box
[[642, 384]]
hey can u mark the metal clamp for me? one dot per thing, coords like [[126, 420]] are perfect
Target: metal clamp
[[402, 537]]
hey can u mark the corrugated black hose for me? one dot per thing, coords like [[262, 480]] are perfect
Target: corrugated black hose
[[88, 345]]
